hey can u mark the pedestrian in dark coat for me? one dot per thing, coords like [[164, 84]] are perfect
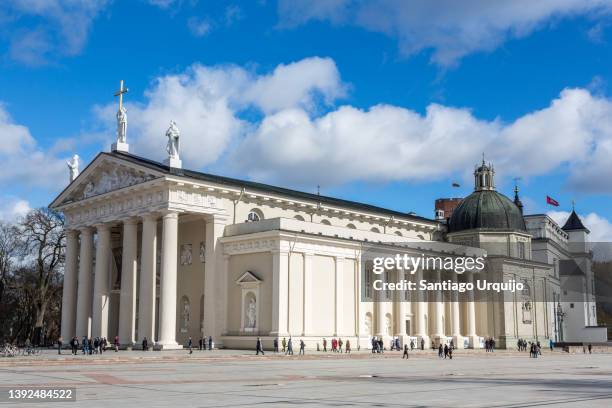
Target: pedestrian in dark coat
[[259, 347]]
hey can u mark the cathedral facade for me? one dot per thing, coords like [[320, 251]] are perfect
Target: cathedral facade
[[159, 252]]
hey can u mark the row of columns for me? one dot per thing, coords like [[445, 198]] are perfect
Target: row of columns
[[84, 316], [422, 309]]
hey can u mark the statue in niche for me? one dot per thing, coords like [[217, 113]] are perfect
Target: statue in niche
[[202, 252], [388, 325], [251, 313], [186, 314], [186, 254]]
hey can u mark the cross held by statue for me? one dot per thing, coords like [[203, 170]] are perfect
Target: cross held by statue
[[120, 93]]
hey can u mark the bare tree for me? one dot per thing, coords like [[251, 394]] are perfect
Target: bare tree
[[44, 246], [9, 250]]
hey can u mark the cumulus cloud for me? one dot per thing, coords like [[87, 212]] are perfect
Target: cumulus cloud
[[22, 159], [451, 29], [12, 209], [54, 27], [207, 102], [386, 143]]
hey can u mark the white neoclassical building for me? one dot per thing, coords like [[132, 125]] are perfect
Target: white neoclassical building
[[166, 253]]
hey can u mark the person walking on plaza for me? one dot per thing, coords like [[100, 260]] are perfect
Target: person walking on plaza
[[289, 347], [259, 347], [551, 344], [275, 343], [590, 348], [422, 344], [405, 356], [445, 351], [348, 347], [74, 344], [210, 343], [302, 347], [116, 344], [145, 344], [200, 343], [190, 345], [284, 344], [450, 353], [60, 343], [440, 351], [340, 346], [324, 345]]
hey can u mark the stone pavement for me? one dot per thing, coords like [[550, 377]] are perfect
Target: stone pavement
[[228, 378]]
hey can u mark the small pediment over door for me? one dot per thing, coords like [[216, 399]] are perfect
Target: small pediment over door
[[103, 175], [247, 279]]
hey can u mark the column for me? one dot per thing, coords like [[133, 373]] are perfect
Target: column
[[400, 315], [381, 295], [471, 314], [127, 300], [280, 292], [84, 301], [339, 303], [307, 329], [439, 312], [101, 292], [455, 322], [148, 264], [421, 311], [69, 294], [215, 281], [167, 297]]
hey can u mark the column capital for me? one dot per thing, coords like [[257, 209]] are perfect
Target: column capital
[[130, 221], [103, 227], [150, 216], [72, 233], [169, 214], [86, 230]]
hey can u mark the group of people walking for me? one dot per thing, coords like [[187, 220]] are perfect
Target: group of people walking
[[336, 345], [89, 346], [490, 344]]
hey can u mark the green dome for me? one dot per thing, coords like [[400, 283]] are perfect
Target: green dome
[[486, 209]]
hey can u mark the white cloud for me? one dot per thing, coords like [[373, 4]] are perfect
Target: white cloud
[[22, 159], [387, 143], [206, 103], [53, 27], [12, 209], [452, 29], [199, 27]]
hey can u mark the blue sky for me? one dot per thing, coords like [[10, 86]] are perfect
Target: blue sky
[[382, 101]]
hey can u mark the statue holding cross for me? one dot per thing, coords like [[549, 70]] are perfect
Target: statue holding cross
[[121, 144]]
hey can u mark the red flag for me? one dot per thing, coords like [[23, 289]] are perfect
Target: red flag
[[552, 201]]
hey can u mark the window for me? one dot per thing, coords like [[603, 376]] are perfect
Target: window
[[299, 218], [374, 229], [521, 250], [398, 233], [255, 215], [325, 222], [351, 226]]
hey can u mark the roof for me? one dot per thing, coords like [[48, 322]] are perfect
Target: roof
[[574, 223], [486, 209], [261, 187]]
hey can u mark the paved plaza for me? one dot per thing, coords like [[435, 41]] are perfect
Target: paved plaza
[[234, 378]]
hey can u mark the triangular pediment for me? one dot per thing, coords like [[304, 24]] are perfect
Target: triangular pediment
[[104, 174], [248, 277]]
